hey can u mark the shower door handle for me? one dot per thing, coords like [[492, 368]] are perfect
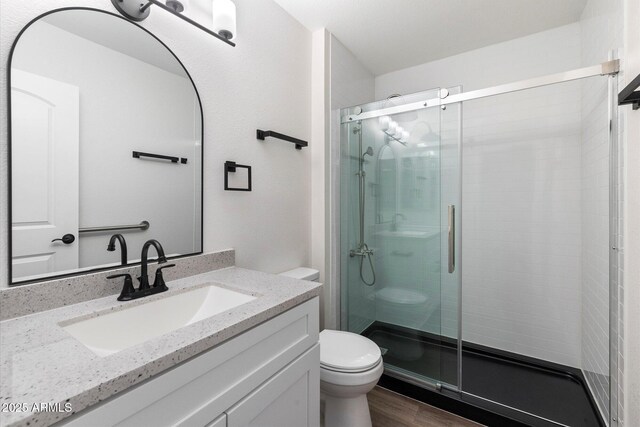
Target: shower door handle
[[452, 237]]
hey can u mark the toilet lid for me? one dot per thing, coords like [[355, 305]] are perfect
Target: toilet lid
[[347, 352]]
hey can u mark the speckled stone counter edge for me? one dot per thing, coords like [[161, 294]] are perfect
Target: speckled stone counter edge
[[28, 299], [77, 376]]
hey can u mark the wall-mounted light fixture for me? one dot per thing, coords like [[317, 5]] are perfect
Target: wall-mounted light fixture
[[224, 18], [224, 15]]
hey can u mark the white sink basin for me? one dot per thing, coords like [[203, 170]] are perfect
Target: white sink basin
[[114, 331]]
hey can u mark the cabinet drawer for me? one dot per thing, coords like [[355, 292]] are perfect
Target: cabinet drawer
[[197, 391], [290, 398]]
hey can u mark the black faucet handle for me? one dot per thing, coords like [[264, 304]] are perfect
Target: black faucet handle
[[158, 282], [127, 289]]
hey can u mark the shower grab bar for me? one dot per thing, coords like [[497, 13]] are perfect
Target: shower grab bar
[[452, 238]]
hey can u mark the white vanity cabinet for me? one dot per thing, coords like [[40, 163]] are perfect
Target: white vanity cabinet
[[268, 376], [287, 399]]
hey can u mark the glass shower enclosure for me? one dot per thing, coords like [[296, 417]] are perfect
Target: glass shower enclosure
[[400, 176], [538, 187]]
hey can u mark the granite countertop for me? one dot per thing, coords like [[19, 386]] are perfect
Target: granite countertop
[[42, 364]]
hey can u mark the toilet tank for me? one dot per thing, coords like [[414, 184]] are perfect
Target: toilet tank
[[303, 273]]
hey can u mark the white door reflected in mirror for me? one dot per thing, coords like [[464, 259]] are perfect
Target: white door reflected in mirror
[[45, 127]]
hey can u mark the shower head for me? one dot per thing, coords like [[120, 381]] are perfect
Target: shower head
[[368, 152]]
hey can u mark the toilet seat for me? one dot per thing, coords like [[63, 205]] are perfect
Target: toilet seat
[[347, 352], [351, 379]]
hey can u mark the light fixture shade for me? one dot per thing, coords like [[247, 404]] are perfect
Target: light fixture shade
[[224, 18]]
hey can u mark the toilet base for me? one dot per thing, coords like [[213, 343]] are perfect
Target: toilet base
[[345, 411]]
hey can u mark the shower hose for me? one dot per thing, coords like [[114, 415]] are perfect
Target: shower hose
[[366, 252], [364, 249]]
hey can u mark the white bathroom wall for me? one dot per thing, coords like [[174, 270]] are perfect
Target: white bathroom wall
[[320, 129], [111, 180], [521, 192], [351, 83], [263, 83], [601, 26], [629, 360]]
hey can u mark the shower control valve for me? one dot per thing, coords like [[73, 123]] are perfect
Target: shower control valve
[[360, 252]]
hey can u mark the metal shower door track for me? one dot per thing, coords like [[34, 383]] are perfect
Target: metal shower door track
[[605, 69]]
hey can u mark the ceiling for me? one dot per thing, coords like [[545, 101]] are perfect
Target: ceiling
[[388, 35]]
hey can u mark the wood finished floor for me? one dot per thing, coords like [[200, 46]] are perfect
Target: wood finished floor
[[389, 409]]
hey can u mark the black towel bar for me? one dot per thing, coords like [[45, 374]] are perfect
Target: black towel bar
[[629, 95], [138, 154], [262, 134]]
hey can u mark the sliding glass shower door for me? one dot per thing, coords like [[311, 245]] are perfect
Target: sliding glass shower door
[[400, 193], [536, 285]]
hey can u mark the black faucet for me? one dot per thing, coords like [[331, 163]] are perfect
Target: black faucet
[[123, 247], [144, 279], [128, 291]]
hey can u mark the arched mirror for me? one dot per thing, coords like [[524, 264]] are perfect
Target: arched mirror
[[105, 138]]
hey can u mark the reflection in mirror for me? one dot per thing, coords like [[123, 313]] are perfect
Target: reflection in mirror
[[419, 171], [386, 185], [87, 90]]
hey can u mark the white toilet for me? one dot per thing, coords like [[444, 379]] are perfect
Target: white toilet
[[350, 366]]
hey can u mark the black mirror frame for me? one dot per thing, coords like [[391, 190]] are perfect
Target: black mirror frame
[[9, 144]]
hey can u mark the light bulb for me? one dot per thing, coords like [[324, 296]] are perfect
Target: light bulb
[[405, 135], [392, 127], [224, 18], [398, 132]]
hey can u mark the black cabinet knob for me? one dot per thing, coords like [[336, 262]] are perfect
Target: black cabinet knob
[[67, 239]]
